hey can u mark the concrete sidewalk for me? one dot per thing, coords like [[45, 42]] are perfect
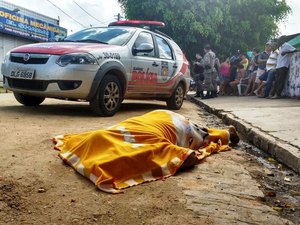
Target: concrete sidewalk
[[271, 125]]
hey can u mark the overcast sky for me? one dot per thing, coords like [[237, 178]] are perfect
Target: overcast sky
[[292, 24], [105, 11]]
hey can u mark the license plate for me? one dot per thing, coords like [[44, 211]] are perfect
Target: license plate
[[22, 74]]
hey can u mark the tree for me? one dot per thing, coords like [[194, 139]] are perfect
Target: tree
[[227, 25]]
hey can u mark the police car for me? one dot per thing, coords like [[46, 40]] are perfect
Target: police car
[[128, 59]]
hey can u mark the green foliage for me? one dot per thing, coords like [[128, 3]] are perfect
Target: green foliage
[[227, 25]]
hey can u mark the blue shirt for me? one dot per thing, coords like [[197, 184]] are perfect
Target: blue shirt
[[263, 55]]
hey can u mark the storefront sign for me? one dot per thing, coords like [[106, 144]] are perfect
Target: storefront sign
[[28, 27]]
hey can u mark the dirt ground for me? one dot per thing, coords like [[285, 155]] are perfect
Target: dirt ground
[[37, 188]]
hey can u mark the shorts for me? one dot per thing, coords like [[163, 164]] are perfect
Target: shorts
[[224, 78], [258, 74], [264, 76]]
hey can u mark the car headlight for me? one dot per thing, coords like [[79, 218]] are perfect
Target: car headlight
[[6, 57], [77, 58]]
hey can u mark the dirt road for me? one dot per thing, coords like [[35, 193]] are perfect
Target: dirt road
[[37, 188]]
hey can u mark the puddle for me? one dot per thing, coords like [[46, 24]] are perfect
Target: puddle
[[257, 154]]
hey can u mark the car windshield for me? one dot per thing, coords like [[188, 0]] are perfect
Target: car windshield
[[105, 35]]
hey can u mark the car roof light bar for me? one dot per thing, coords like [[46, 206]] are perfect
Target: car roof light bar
[[138, 23]]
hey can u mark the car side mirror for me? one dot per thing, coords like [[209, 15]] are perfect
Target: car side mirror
[[144, 47]]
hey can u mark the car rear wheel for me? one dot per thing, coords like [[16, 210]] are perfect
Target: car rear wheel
[[176, 100], [28, 100], [107, 100]]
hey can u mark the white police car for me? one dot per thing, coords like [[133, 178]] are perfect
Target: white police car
[[101, 65]]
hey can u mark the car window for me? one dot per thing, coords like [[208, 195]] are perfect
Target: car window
[[107, 35], [165, 51], [144, 37]]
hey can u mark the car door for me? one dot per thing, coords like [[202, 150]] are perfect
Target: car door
[[145, 65], [168, 64]]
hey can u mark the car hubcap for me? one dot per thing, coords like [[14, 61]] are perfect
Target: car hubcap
[[111, 96], [179, 95]]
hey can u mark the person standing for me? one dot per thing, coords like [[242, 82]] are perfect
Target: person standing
[[253, 64], [241, 73], [234, 61], [244, 61], [216, 78], [252, 70], [198, 75], [262, 63], [267, 78], [224, 76], [210, 73], [282, 69]]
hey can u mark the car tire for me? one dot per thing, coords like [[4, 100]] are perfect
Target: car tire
[[107, 100], [176, 100], [28, 100]]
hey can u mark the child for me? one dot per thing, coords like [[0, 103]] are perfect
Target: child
[[241, 73]]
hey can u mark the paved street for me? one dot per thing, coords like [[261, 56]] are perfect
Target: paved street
[[226, 188]]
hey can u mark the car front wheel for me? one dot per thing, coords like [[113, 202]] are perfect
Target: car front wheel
[[176, 100], [107, 100], [28, 100]]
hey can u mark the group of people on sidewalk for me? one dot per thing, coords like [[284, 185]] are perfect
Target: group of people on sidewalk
[[266, 78], [263, 74]]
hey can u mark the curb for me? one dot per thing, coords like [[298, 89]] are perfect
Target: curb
[[280, 150]]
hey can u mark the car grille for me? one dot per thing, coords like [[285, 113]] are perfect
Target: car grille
[[26, 58], [41, 85], [36, 85]]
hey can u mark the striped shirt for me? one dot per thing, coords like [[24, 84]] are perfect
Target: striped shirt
[[272, 60]]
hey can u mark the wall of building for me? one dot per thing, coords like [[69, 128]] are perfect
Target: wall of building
[[28, 12], [8, 42], [10, 39], [292, 86]]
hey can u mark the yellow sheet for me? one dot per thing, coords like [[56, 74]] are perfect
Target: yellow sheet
[[137, 150]]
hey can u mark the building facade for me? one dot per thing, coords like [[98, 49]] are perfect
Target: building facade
[[20, 26]]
